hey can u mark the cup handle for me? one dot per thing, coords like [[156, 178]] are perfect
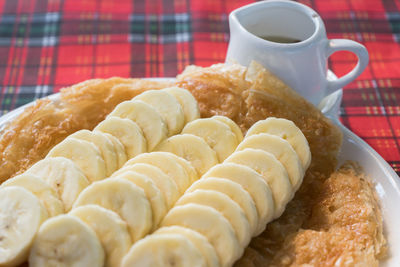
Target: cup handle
[[358, 49]]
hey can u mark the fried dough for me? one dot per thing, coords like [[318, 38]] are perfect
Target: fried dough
[[334, 217], [299, 236], [82, 106]]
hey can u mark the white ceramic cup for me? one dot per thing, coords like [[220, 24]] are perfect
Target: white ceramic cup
[[301, 65]]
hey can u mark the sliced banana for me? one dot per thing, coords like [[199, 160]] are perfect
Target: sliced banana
[[282, 150], [233, 190], [167, 163], [271, 170], [226, 206], [21, 215], [66, 241], [167, 106], [192, 148], [109, 228], [210, 223], [104, 145], [153, 194], [119, 149], [164, 250], [197, 239], [287, 130], [123, 197], [166, 185], [149, 120], [63, 176], [190, 170], [187, 101], [127, 132], [84, 154], [47, 196], [216, 134], [234, 127], [253, 183]]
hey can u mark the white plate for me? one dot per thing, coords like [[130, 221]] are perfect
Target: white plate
[[387, 182]]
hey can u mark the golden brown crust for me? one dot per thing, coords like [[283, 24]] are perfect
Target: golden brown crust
[[308, 232], [82, 106], [333, 219], [344, 228]]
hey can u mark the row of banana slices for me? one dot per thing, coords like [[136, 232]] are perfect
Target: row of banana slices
[[214, 220], [51, 186], [112, 214]]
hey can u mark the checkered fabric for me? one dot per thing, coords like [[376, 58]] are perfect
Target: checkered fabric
[[48, 44]]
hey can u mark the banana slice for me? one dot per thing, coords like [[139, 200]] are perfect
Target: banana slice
[[282, 150], [119, 149], [233, 190], [84, 154], [104, 145], [127, 132], [198, 240], [253, 183], [216, 134], [21, 215], [287, 130], [226, 206], [47, 196], [153, 194], [192, 148], [234, 127], [188, 102], [210, 223], [66, 241], [123, 197], [63, 176], [271, 170], [167, 186], [167, 163], [109, 228], [190, 170], [167, 106], [149, 120], [164, 251]]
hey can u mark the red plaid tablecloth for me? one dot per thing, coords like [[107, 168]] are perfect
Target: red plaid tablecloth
[[48, 44]]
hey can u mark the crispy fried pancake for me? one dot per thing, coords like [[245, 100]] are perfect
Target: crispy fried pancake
[[333, 219], [344, 228], [308, 232], [82, 106]]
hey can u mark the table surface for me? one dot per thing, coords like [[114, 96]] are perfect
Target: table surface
[[48, 44]]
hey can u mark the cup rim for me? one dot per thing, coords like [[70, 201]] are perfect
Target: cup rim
[[309, 12]]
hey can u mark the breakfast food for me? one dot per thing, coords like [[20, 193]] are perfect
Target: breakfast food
[[123, 197], [282, 151], [111, 230], [165, 250], [63, 176], [46, 195], [198, 240], [288, 131], [84, 154], [216, 215], [127, 132], [149, 120], [192, 148], [271, 170], [167, 106], [65, 240], [245, 96], [22, 214], [28, 138]]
